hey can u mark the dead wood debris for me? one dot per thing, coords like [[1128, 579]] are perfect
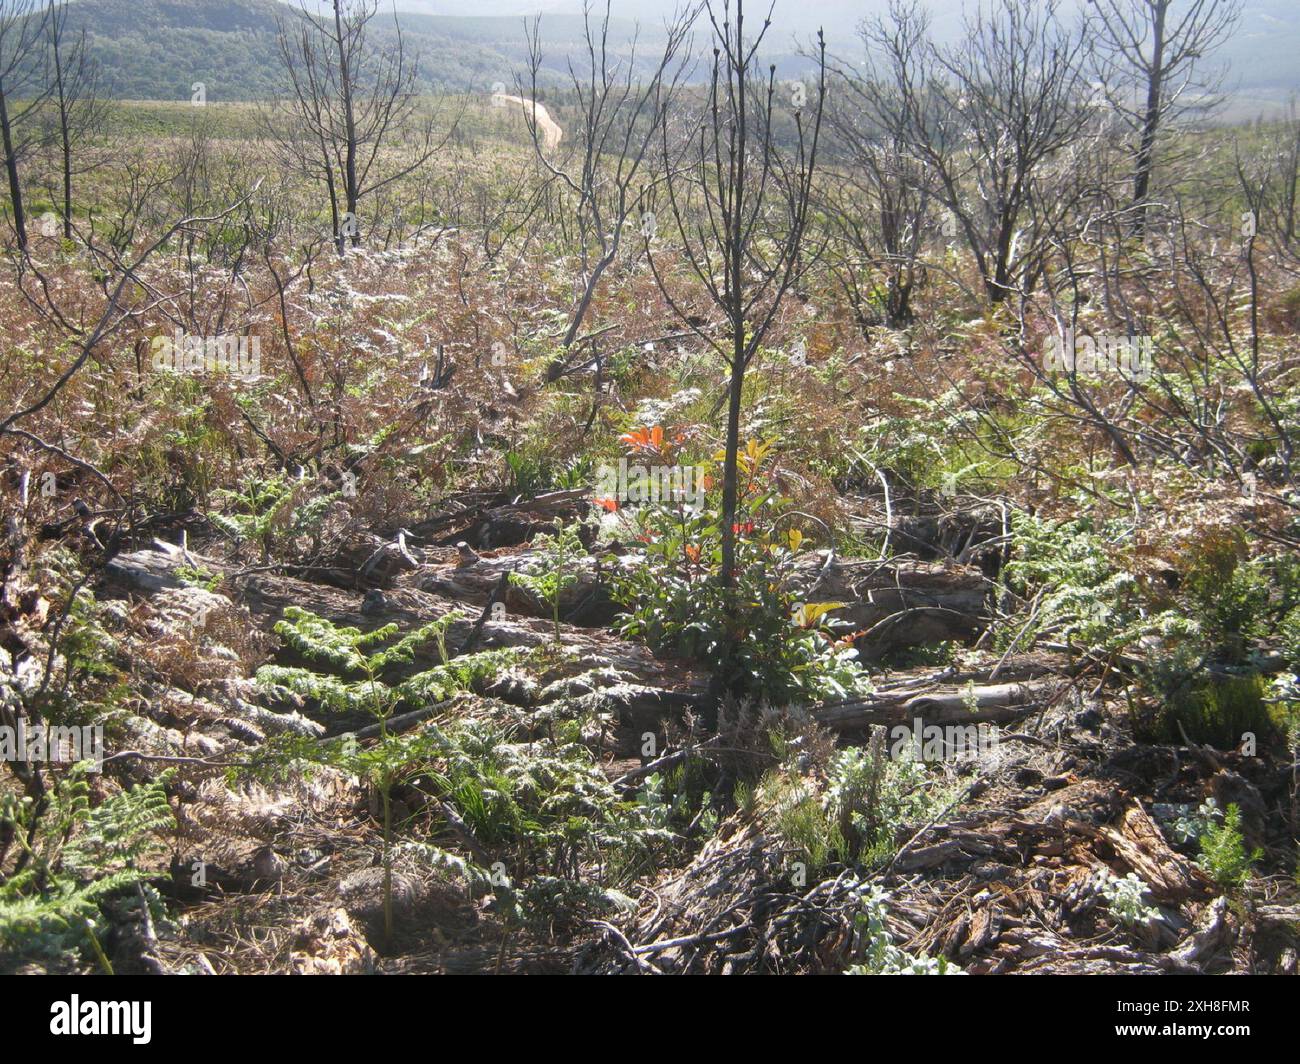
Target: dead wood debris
[[1004, 881]]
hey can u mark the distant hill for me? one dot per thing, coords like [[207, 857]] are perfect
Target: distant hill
[[156, 49]]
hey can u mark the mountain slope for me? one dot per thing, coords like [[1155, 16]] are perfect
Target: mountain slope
[[157, 49]]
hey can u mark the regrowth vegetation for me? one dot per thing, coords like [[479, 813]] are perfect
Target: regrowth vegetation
[[720, 538]]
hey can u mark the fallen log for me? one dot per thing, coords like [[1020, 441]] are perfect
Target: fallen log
[[989, 704], [891, 604], [479, 581], [658, 685], [502, 521], [897, 603], [1213, 932], [654, 687]]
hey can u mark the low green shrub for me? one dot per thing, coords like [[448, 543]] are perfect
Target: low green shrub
[[1223, 851], [1217, 711]]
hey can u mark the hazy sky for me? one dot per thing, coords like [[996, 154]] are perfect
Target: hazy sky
[[1263, 52], [1261, 18], [790, 17]]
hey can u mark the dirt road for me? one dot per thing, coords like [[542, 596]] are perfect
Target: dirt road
[[547, 127]]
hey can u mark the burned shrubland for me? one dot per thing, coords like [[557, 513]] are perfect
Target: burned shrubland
[[681, 510]]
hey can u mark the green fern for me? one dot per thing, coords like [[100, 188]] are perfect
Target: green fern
[[358, 661], [73, 857], [559, 560], [354, 683], [320, 640], [329, 692], [443, 681], [262, 509]]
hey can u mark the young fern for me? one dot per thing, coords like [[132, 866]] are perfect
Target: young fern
[[355, 682], [1223, 851], [443, 681], [72, 857], [560, 558], [359, 661], [267, 504]]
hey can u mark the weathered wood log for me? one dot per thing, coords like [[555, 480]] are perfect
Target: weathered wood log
[[890, 604], [366, 560], [153, 569], [1284, 916], [893, 604], [1141, 845], [1212, 933], [898, 603], [476, 583], [503, 522], [990, 704], [658, 685]]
